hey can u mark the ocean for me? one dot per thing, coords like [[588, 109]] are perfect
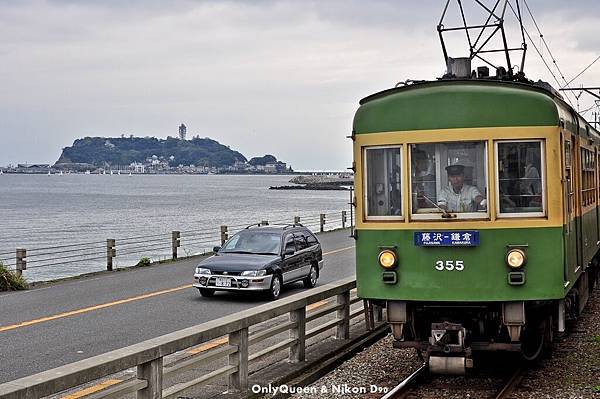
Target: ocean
[[41, 211]]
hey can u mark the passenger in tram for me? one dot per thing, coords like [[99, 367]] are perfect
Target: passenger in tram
[[423, 180], [531, 183], [458, 196]]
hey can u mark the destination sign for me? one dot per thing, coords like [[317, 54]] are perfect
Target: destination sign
[[446, 238]]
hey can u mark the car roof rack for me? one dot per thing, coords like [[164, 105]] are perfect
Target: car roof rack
[[285, 226], [259, 224]]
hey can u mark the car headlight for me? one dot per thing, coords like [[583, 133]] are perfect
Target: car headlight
[[254, 273], [387, 258], [202, 270], [516, 258]]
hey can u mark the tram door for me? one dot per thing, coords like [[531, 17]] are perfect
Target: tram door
[[572, 228]]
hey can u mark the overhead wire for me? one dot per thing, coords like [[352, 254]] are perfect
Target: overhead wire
[[589, 109], [584, 69], [541, 56], [567, 84], [544, 41]]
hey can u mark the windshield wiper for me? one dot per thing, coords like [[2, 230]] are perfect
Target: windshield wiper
[[236, 252], [265, 253], [445, 213]]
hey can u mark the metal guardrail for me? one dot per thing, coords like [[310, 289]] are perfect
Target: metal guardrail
[[156, 246], [148, 356]]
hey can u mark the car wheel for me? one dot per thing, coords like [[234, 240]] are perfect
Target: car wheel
[[206, 292], [311, 280], [275, 289]]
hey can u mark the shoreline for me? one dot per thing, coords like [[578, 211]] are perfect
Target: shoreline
[[126, 173]]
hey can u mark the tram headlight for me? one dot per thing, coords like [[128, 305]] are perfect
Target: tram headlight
[[516, 258], [387, 259]]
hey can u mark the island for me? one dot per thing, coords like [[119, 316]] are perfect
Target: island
[[152, 155]]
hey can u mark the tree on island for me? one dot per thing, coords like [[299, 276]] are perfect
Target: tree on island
[[262, 160], [100, 151]]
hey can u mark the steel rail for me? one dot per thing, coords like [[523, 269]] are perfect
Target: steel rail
[[166, 233], [184, 234], [123, 251], [65, 263], [34, 251], [198, 233], [399, 390], [122, 244], [510, 385], [157, 249], [32, 258], [199, 241], [191, 231], [67, 245]]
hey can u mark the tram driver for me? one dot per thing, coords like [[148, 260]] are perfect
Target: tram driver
[[459, 196]]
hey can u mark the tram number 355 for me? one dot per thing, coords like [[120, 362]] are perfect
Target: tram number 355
[[449, 265]]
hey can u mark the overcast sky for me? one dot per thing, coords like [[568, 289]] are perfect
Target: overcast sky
[[280, 77]]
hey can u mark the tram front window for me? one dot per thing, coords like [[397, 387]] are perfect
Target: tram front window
[[520, 187], [383, 188], [448, 178]]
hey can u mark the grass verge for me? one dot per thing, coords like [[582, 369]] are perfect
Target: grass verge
[[9, 281]]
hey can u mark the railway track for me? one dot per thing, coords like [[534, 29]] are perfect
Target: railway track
[[401, 390], [409, 387], [510, 385]]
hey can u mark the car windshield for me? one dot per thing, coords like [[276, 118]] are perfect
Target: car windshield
[[253, 242]]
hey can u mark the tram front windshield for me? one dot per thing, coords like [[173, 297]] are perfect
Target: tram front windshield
[[448, 178]]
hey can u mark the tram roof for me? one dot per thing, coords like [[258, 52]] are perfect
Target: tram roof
[[447, 104]]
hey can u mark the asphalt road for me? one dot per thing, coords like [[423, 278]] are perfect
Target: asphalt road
[[67, 321]]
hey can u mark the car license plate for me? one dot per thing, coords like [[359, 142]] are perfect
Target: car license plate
[[223, 282]]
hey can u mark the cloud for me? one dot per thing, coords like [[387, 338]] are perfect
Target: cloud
[[281, 77]]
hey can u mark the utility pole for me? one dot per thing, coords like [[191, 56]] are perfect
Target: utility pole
[[589, 90], [586, 89]]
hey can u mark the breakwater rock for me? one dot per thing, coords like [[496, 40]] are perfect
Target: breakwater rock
[[332, 180], [310, 187]]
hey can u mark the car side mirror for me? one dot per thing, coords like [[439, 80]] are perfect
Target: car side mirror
[[289, 251], [216, 249]]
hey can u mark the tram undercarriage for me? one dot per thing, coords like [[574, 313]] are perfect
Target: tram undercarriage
[[447, 334]]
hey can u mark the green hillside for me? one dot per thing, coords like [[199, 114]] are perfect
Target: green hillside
[[103, 151]]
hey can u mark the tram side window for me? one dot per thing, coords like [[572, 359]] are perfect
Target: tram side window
[[383, 188], [520, 185], [588, 183]]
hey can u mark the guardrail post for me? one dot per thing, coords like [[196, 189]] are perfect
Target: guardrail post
[[343, 329], [223, 234], [298, 350], [378, 311], [175, 242], [238, 381], [111, 252], [368, 309], [296, 219], [344, 219], [21, 261], [152, 372], [322, 222]]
